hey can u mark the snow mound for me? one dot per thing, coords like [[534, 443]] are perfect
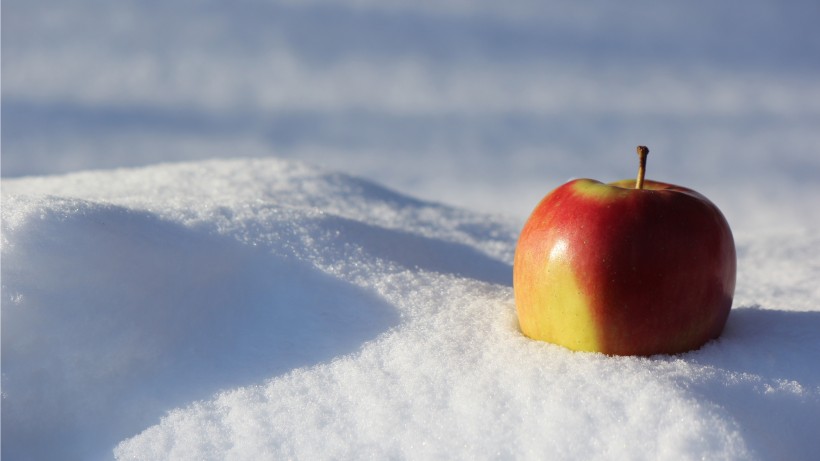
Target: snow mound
[[251, 309]]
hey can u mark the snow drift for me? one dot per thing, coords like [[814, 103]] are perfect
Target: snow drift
[[251, 309]]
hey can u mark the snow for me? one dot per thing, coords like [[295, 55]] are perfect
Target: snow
[[238, 309], [284, 230]]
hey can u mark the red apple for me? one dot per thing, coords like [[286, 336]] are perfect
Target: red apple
[[624, 268]]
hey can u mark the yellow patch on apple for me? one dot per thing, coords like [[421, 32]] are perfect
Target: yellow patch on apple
[[566, 318]]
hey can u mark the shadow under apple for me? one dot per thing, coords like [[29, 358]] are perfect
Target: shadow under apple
[[766, 377]]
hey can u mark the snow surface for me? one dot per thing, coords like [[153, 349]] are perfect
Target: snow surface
[[328, 276], [246, 309]]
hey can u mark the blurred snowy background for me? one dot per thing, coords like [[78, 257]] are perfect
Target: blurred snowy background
[[482, 104]]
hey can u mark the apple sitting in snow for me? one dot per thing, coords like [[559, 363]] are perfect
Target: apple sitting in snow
[[627, 268]]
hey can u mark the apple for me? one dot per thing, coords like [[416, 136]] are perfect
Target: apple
[[626, 268]]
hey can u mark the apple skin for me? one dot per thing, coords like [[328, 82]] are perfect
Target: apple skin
[[624, 271]]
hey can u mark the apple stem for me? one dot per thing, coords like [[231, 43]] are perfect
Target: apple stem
[[643, 152]]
